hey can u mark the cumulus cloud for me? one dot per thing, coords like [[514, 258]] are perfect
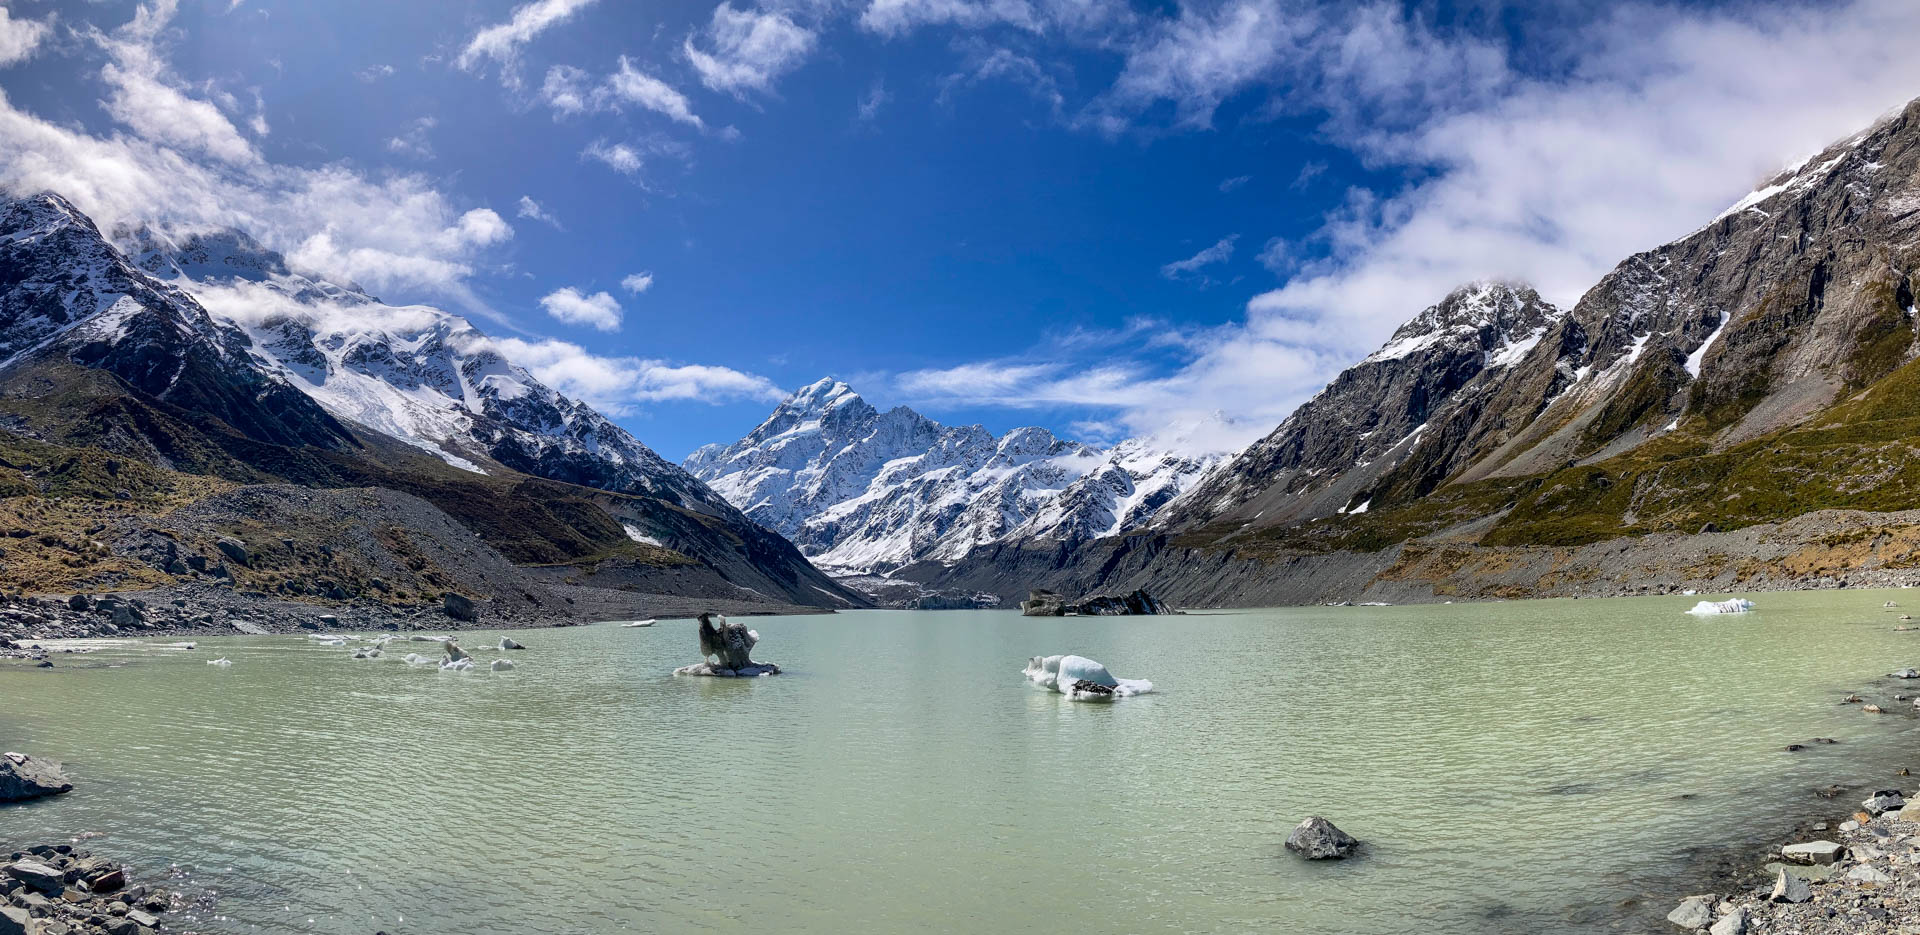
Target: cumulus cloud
[[19, 38], [396, 231], [637, 283], [746, 50], [144, 95], [615, 384], [598, 310], [501, 42]]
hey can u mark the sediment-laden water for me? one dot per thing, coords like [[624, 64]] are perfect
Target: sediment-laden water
[[1516, 767]]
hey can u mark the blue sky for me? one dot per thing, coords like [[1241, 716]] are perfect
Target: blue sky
[[1102, 217]]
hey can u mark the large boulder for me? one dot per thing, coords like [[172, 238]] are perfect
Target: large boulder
[[1814, 852], [1317, 839], [37, 875], [233, 549], [24, 777], [459, 607], [1694, 912]]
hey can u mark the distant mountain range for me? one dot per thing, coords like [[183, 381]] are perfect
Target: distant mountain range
[[862, 491], [1738, 408]]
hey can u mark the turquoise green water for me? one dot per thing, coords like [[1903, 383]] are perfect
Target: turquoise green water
[[1516, 767]]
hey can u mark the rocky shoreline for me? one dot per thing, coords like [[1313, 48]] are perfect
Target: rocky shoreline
[[57, 889], [203, 611]]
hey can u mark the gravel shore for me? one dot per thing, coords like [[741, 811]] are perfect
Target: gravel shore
[[57, 889]]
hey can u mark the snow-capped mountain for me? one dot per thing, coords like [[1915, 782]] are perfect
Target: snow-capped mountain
[[415, 373], [68, 297], [864, 491], [1321, 458]]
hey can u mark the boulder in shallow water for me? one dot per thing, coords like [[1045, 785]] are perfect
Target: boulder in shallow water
[[1317, 839], [1694, 912], [23, 777], [1886, 800], [37, 875]]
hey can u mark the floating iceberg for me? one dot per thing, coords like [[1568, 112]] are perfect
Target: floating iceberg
[[415, 659], [639, 623], [502, 665], [1082, 679], [1738, 605], [369, 653], [222, 662], [508, 642], [328, 639], [457, 665]]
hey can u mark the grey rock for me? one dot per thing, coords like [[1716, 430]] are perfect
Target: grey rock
[[40, 876], [459, 607], [1318, 839], [233, 549], [25, 777], [1886, 800], [14, 921], [1733, 923], [1694, 912], [1788, 888], [1043, 603], [1814, 852]]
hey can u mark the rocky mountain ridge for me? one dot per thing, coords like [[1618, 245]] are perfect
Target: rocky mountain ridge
[[863, 491], [288, 378]]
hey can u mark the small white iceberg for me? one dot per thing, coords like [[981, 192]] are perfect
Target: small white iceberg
[[222, 662], [507, 642], [328, 639], [502, 665], [1738, 605], [639, 623], [1082, 679], [457, 665], [372, 652], [415, 659]]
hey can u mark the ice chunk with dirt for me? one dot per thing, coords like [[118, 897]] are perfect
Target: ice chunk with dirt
[[1082, 679], [1738, 605]]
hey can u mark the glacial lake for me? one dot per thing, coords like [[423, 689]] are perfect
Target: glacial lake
[[1515, 767]]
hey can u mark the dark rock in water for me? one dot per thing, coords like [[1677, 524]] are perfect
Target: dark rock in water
[[1043, 603], [24, 777], [459, 607], [729, 646], [1317, 839]]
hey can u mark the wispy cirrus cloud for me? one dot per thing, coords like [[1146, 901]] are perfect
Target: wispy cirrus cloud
[[501, 42]]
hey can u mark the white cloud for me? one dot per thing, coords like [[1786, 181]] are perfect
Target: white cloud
[[531, 210], [987, 63], [630, 84], [619, 156], [598, 310], [1220, 252], [143, 95], [414, 141], [373, 73], [748, 49], [615, 384], [19, 38], [1200, 58], [1227, 185], [637, 283], [395, 232], [568, 90], [871, 102], [895, 17], [501, 42]]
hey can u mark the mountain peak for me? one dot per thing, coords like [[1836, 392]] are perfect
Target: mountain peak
[[1490, 313]]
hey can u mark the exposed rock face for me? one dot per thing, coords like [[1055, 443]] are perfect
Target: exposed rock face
[[1319, 461], [863, 491], [1317, 839], [459, 607], [1044, 603], [25, 777]]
